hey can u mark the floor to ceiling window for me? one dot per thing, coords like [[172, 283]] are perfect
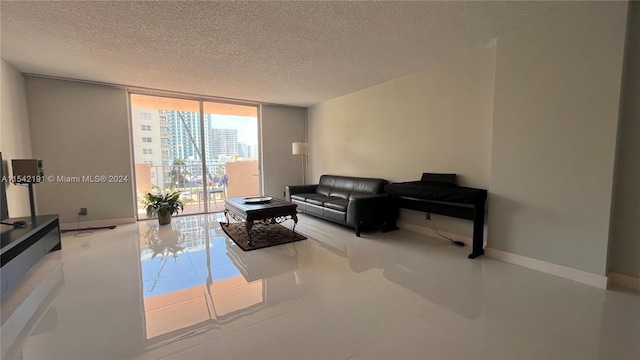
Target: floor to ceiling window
[[206, 150], [233, 147]]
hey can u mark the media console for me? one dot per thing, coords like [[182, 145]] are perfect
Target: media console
[[22, 248]]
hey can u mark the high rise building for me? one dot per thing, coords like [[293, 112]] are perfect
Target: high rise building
[[224, 141], [184, 135], [164, 136], [151, 141], [247, 151]]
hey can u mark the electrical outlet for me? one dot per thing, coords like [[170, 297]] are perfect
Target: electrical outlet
[[83, 211]]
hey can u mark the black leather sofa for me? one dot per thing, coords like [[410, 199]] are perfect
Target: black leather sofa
[[356, 202]]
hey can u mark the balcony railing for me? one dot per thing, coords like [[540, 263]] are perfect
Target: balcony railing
[[188, 179], [242, 180]]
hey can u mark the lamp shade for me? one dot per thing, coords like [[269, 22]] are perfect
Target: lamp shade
[[300, 148]]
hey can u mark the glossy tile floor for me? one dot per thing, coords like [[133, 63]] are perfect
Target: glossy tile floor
[[187, 292]]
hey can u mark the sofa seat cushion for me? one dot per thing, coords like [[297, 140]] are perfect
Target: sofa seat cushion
[[337, 204], [304, 196], [318, 200]]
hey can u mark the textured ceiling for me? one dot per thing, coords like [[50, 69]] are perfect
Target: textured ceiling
[[292, 52]]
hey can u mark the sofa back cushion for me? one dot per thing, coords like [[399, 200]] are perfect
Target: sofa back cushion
[[343, 186], [340, 193], [323, 190], [369, 186]]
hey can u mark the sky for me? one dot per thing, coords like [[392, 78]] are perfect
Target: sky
[[247, 127]]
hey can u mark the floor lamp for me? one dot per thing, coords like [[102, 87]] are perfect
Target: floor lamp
[[304, 149]]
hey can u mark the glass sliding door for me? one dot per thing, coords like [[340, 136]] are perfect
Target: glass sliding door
[[205, 154], [233, 150], [167, 143]]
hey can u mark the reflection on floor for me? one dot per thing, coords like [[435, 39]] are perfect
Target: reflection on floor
[[185, 291], [187, 284]]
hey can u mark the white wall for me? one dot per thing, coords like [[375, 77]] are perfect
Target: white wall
[[15, 138], [437, 120], [534, 120], [81, 129], [624, 256], [281, 126], [557, 95]]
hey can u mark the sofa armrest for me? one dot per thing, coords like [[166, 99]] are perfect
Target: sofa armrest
[[367, 209], [299, 189]]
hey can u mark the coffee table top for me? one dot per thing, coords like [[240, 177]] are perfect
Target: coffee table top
[[274, 207]]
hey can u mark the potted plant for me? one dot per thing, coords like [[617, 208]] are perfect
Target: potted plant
[[163, 204]]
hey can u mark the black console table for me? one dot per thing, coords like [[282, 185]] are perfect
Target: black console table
[[22, 248]]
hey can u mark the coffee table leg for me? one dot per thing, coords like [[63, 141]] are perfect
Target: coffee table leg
[[295, 222], [248, 226], [226, 216]]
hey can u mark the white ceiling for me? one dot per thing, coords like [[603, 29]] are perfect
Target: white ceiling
[[291, 52]]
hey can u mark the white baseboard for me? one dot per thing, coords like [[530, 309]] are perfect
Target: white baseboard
[[98, 223], [599, 281], [623, 280], [423, 229]]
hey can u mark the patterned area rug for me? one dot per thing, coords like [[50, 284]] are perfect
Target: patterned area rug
[[261, 234]]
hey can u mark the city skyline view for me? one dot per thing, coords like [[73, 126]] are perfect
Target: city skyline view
[[170, 138], [246, 126], [161, 136], [170, 128]]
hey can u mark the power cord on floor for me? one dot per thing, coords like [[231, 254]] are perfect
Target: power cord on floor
[[432, 225], [86, 231], [82, 233]]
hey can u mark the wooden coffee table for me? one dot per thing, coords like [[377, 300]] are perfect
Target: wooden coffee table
[[274, 211]]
